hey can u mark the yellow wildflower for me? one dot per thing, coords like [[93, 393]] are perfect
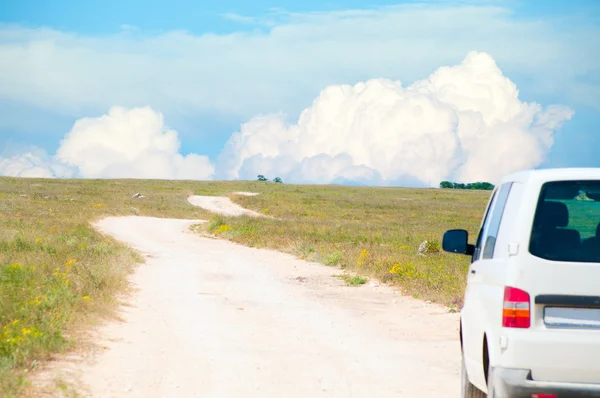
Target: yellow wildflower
[[15, 267], [36, 301], [396, 268], [363, 257], [223, 228]]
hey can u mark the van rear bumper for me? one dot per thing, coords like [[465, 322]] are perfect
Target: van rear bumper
[[517, 383]]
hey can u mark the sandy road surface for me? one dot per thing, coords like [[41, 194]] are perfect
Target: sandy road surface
[[223, 205], [214, 319]]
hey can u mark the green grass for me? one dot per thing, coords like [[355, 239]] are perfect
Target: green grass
[[353, 280], [375, 232], [333, 258], [58, 275], [583, 216]]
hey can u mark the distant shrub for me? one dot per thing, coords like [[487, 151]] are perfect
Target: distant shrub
[[485, 186]]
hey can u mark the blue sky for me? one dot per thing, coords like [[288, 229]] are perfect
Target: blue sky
[[545, 47], [97, 18]]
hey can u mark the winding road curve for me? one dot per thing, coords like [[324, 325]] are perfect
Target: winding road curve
[[210, 318]]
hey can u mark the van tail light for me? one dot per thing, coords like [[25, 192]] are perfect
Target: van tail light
[[516, 312]]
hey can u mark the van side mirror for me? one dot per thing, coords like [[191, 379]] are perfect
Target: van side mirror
[[457, 241]]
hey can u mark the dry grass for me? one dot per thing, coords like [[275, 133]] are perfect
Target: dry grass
[[57, 273], [375, 232]]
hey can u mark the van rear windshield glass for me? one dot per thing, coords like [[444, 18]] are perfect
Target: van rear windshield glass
[[566, 225]]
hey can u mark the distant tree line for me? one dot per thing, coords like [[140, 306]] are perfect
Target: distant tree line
[[485, 186], [263, 178]]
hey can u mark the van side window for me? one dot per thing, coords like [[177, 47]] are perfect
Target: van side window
[[566, 226], [491, 235], [484, 224], [486, 241]]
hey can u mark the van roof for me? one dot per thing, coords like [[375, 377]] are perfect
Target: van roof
[[555, 174]]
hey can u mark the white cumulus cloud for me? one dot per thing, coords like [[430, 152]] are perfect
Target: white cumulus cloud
[[34, 163], [125, 143], [130, 143], [464, 122]]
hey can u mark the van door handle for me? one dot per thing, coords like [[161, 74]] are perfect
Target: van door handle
[[473, 271]]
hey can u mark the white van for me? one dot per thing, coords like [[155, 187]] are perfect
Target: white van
[[530, 325]]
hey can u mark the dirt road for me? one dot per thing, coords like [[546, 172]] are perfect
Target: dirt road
[[214, 319], [222, 205]]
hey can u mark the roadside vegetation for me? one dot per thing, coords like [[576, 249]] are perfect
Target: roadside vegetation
[[59, 276], [391, 234], [353, 280]]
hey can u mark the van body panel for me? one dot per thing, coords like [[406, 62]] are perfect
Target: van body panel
[[538, 235]]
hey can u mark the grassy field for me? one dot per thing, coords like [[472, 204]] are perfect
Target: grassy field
[[58, 276], [375, 232]]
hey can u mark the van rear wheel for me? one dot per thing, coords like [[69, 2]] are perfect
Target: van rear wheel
[[468, 390]]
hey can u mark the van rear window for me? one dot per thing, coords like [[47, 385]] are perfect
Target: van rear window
[[566, 225]]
